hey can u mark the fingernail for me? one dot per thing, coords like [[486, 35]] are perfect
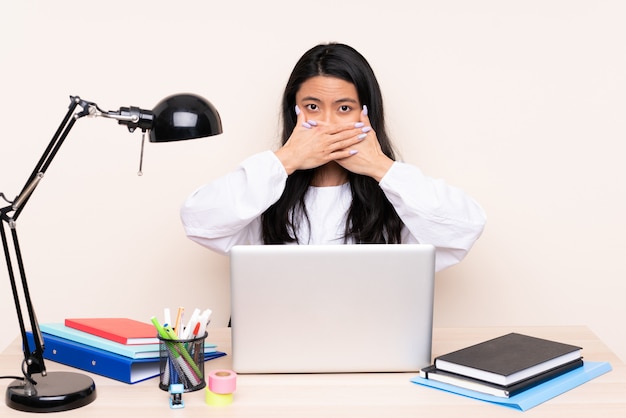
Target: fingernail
[[359, 125], [362, 136], [365, 110], [366, 129], [312, 122], [297, 110], [306, 125], [353, 151]]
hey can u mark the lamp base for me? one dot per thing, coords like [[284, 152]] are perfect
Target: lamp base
[[57, 391]]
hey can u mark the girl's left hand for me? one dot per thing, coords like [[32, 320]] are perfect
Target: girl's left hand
[[369, 160]]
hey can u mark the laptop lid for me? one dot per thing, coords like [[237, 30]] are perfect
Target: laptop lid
[[331, 308]]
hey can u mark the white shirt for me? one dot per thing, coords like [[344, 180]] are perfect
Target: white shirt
[[227, 211]]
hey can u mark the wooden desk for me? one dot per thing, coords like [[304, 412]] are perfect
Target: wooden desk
[[350, 395]]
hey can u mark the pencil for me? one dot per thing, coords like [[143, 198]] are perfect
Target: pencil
[[179, 319]]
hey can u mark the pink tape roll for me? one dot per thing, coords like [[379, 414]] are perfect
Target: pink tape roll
[[222, 382]]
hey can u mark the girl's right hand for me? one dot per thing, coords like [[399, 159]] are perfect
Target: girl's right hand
[[312, 144]]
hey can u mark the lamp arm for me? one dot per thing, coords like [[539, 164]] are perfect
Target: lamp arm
[[33, 359], [49, 153], [132, 117]]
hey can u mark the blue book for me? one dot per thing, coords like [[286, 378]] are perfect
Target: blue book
[[533, 396], [102, 362], [138, 351]]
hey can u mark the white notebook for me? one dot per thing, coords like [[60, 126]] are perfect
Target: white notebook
[[331, 308]]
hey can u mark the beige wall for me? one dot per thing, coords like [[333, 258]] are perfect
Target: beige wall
[[520, 103]]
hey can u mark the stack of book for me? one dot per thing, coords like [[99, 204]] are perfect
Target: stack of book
[[513, 366], [118, 348]]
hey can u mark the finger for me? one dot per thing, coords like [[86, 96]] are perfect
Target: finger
[[365, 121], [344, 154], [364, 117], [300, 119], [346, 144], [299, 116], [346, 129]]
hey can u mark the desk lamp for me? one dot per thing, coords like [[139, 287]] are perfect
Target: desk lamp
[[177, 117]]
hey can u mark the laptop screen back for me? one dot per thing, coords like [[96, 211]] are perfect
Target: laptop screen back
[[331, 308]]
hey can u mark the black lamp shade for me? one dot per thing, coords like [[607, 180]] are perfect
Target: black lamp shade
[[184, 116]]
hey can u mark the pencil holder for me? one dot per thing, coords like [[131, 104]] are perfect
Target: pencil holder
[[182, 361]]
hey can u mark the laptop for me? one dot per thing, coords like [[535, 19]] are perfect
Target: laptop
[[331, 308]]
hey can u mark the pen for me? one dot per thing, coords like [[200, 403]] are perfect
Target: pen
[[177, 325], [204, 321], [182, 359], [197, 346], [196, 330], [167, 316], [181, 351], [162, 333], [191, 324]]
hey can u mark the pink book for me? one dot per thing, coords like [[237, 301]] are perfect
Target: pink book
[[122, 330]]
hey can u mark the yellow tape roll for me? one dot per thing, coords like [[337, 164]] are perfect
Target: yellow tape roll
[[216, 399]]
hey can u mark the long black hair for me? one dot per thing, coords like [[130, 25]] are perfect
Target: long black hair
[[371, 217]]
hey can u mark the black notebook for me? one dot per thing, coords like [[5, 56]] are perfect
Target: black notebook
[[431, 372], [508, 359]]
